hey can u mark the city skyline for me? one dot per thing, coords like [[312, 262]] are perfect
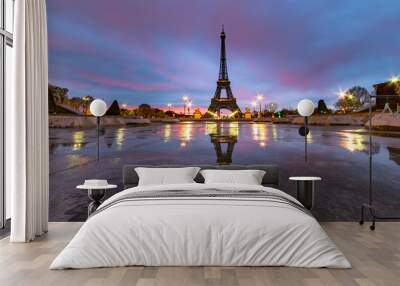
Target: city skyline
[[287, 50]]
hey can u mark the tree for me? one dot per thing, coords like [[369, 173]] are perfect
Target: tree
[[59, 94], [352, 99], [75, 102], [114, 109], [171, 113], [144, 110], [285, 112], [322, 108], [272, 107], [86, 101]]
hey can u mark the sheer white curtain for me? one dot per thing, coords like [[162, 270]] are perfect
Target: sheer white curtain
[[27, 124]]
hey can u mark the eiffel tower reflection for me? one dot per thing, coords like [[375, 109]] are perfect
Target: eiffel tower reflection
[[224, 137]]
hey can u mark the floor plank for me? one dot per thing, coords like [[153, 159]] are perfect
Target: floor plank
[[375, 257]]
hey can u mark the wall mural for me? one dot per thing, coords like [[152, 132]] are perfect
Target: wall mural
[[219, 83]]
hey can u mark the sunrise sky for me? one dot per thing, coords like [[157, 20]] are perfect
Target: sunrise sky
[[156, 51]]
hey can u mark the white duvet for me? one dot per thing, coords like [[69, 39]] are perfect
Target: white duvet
[[212, 231]]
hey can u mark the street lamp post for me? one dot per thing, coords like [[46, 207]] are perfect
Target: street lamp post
[[185, 100], [369, 206], [189, 104], [98, 108], [254, 104], [260, 98], [305, 109], [169, 106]]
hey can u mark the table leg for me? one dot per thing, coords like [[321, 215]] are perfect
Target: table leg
[[305, 193], [95, 196]]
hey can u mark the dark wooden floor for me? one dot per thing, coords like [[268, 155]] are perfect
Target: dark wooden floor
[[375, 257]]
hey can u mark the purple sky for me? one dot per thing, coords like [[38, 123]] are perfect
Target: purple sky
[[156, 51]]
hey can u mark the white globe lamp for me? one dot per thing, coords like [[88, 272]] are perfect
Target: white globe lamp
[[98, 108], [305, 107]]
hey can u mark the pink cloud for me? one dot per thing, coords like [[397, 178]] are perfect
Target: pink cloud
[[125, 84]]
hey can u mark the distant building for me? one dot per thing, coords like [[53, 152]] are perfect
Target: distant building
[[59, 94], [387, 92], [247, 113], [197, 114], [57, 97]]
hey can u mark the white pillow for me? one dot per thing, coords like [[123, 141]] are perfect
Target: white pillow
[[248, 177], [166, 176]]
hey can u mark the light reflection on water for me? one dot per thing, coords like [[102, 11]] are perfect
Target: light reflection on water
[[243, 140], [355, 142], [185, 133], [259, 131], [167, 132], [119, 137], [79, 140], [74, 160], [274, 132]]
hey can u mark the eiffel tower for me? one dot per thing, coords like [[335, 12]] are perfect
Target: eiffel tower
[[219, 102]]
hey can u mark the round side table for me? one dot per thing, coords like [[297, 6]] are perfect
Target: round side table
[[95, 194], [306, 190]]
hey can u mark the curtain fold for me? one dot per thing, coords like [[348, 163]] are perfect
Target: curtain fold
[[28, 125]]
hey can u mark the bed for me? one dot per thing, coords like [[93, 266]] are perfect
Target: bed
[[197, 224]]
